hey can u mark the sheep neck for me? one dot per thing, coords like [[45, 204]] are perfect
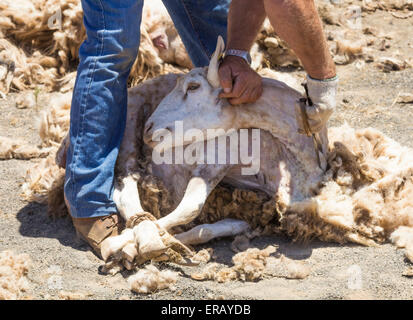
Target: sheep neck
[[253, 116]]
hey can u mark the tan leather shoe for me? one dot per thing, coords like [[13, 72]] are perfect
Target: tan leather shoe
[[95, 230]]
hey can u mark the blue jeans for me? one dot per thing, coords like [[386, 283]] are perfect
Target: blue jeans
[[98, 113]]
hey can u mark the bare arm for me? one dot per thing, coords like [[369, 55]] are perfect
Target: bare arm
[[245, 19], [297, 22], [241, 84]]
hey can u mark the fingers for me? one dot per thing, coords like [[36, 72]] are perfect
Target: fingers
[[246, 97], [244, 92], [225, 78], [240, 83], [240, 86]]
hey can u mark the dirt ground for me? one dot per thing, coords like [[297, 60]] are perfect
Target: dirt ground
[[61, 262]]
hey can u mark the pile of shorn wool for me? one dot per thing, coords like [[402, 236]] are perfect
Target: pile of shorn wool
[[150, 279], [254, 264], [13, 271], [36, 50]]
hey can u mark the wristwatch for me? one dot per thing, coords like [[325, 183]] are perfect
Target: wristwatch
[[239, 53]]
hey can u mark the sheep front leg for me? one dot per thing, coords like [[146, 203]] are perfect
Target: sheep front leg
[[127, 198], [151, 237], [204, 180], [190, 206], [145, 234], [206, 232], [129, 205]]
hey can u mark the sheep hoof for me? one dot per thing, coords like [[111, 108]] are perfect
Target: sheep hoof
[[176, 245], [187, 262], [151, 251], [150, 244], [174, 257], [153, 241], [129, 252], [110, 249]]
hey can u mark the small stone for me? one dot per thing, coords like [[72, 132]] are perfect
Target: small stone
[[405, 98]]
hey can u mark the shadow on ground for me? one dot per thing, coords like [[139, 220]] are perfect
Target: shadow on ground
[[35, 223]]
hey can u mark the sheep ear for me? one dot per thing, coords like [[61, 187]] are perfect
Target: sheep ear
[[212, 76]]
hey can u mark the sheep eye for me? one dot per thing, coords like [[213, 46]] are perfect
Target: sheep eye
[[193, 86]]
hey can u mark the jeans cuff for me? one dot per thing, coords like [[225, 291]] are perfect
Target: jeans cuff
[[89, 212]]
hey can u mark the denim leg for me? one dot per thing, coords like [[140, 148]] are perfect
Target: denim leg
[[199, 22], [98, 113]]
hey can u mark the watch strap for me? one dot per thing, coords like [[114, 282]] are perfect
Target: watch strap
[[239, 53]]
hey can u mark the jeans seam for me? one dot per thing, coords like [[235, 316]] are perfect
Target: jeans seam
[[100, 212], [83, 105], [188, 12], [101, 208]]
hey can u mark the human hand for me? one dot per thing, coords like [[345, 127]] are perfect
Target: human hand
[[240, 83]]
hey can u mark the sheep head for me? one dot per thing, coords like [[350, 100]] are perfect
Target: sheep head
[[194, 102]]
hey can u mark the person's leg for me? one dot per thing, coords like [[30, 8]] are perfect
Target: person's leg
[[98, 113], [199, 23]]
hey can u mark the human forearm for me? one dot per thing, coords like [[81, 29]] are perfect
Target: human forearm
[[297, 22], [245, 19], [239, 82]]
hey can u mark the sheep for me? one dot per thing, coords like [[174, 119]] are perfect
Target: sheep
[[294, 159], [354, 200], [359, 160], [338, 202]]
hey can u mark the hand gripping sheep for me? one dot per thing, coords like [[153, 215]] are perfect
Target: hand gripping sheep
[[287, 164]]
